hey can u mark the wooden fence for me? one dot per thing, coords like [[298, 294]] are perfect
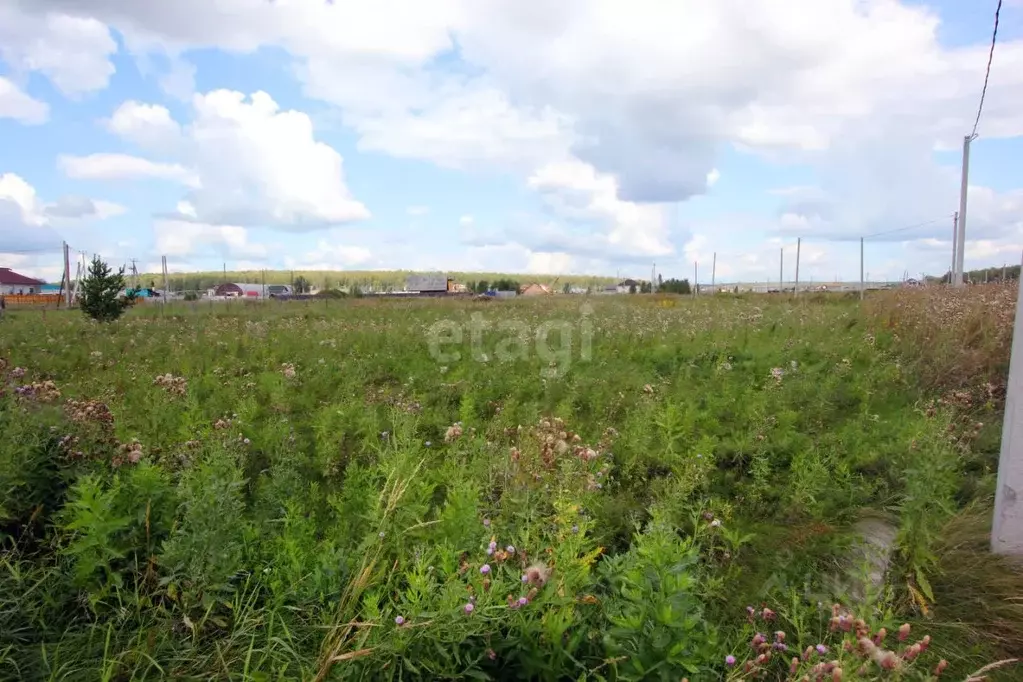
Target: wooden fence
[[33, 300]]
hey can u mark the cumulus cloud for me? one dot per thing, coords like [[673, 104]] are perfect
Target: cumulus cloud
[[181, 238], [575, 190], [70, 49], [332, 255], [248, 162], [20, 106], [23, 225], [147, 125]]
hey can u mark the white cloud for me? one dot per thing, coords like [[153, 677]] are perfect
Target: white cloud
[[180, 238], [23, 225], [20, 106], [14, 189], [417, 210], [73, 51], [147, 125], [546, 263], [330, 255], [466, 220], [122, 167], [575, 190], [249, 162], [74, 207]]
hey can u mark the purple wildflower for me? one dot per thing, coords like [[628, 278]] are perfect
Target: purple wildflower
[[523, 601], [729, 660], [821, 649], [486, 523], [399, 620], [485, 568], [510, 549], [469, 608]]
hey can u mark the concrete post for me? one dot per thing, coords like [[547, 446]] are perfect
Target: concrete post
[[1007, 526]]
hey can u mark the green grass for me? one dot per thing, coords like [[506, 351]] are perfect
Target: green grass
[[311, 472]]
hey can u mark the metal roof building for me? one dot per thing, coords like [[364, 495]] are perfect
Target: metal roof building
[[241, 289], [433, 282]]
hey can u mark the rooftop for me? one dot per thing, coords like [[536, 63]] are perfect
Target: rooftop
[[11, 278]]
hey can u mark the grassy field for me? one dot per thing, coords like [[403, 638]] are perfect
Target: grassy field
[[634, 488]]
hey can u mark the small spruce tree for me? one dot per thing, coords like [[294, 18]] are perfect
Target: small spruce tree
[[101, 297]]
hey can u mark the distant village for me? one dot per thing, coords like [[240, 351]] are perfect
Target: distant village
[[21, 289]]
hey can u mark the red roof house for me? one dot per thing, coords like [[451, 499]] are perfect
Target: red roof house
[[13, 283]]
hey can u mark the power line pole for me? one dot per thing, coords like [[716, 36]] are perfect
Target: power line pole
[[963, 191], [67, 275], [1007, 526], [714, 271], [861, 269], [799, 242], [696, 277], [955, 248], [164, 306], [781, 270]]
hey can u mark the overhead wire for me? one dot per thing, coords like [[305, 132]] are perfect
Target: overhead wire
[[987, 72], [907, 227]]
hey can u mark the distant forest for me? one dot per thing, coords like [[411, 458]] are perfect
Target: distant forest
[[1008, 273]]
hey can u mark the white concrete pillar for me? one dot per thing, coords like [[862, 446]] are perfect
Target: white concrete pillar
[[1007, 527]]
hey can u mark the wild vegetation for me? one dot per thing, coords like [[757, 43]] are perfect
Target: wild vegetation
[[658, 488]]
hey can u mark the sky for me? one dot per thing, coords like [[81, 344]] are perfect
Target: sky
[[580, 137]]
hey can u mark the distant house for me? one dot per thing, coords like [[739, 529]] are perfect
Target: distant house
[[431, 283], [535, 289], [240, 290], [627, 285], [13, 283]]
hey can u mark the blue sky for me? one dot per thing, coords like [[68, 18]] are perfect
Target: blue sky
[[595, 137]]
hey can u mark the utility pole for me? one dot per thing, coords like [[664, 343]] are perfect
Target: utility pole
[[963, 191], [164, 258], [696, 277], [861, 269], [1007, 526], [714, 272], [955, 248], [67, 275], [781, 270], [799, 242]]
